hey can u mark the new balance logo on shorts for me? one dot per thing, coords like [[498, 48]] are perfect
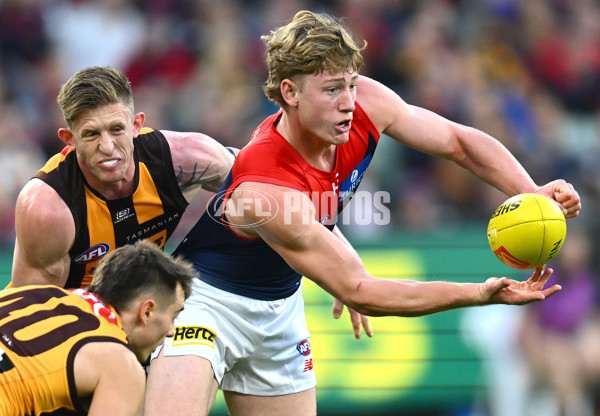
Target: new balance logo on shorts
[[188, 335]]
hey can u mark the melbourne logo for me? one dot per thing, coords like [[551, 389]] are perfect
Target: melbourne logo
[[92, 254], [194, 335], [303, 347]]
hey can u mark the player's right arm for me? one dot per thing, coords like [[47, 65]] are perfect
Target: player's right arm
[[45, 232], [313, 251], [109, 379]]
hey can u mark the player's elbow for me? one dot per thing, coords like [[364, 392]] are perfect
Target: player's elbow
[[457, 148], [360, 299]]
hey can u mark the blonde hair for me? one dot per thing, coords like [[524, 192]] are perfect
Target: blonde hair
[[310, 44], [93, 87]]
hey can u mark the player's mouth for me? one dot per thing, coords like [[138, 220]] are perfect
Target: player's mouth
[[344, 126], [109, 162]]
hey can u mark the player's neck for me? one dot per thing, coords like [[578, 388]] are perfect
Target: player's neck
[[122, 189]]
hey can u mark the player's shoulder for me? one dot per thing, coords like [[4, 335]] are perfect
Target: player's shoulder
[[149, 136], [373, 94], [39, 196], [151, 145], [103, 351], [380, 103], [266, 143], [41, 207], [98, 360], [148, 131], [119, 360], [265, 157]]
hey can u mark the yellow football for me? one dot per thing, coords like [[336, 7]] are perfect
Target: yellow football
[[527, 231]]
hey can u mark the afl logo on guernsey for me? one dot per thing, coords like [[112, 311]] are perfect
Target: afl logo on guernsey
[[303, 347], [92, 254]]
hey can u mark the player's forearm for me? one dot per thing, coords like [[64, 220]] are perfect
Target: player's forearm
[[379, 297], [338, 233]]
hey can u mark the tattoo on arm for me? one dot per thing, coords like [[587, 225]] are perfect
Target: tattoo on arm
[[194, 179]]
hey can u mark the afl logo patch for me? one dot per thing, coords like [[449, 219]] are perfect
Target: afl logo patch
[[303, 347], [92, 254]]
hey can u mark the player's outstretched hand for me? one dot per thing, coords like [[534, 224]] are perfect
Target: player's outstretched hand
[[513, 292], [563, 193], [356, 318]]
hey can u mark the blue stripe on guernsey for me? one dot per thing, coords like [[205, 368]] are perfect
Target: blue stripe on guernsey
[[348, 187], [351, 182], [229, 262]]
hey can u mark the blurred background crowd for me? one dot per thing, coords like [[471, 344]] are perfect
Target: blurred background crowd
[[526, 72]]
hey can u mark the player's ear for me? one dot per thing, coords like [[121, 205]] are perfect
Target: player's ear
[[147, 308], [289, 91], [66, 136], [138, 123]]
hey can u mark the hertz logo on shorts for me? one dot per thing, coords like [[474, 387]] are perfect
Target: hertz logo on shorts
[[188, 335]]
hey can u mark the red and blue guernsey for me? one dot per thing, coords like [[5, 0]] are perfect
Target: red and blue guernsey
[[249, 267]]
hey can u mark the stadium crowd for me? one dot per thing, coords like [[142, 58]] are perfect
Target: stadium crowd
[[527, 72]]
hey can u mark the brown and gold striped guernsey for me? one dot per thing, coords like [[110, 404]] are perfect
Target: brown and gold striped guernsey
[[41, 330], [152, 212]]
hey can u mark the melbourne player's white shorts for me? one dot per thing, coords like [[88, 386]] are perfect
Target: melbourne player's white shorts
[[256, 347]]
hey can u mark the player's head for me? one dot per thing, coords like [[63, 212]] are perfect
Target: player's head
[[310, 44], [91, 88], [97, 104], [147, 287]]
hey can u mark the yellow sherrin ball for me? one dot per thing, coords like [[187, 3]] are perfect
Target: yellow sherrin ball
[[527, 231]]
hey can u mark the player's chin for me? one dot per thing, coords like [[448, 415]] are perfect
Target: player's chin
[[340, 138], [110, 176], [159, 343]]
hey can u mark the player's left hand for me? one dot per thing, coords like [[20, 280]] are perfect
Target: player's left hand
[[513, 292], [356, 318], [564, 194]]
